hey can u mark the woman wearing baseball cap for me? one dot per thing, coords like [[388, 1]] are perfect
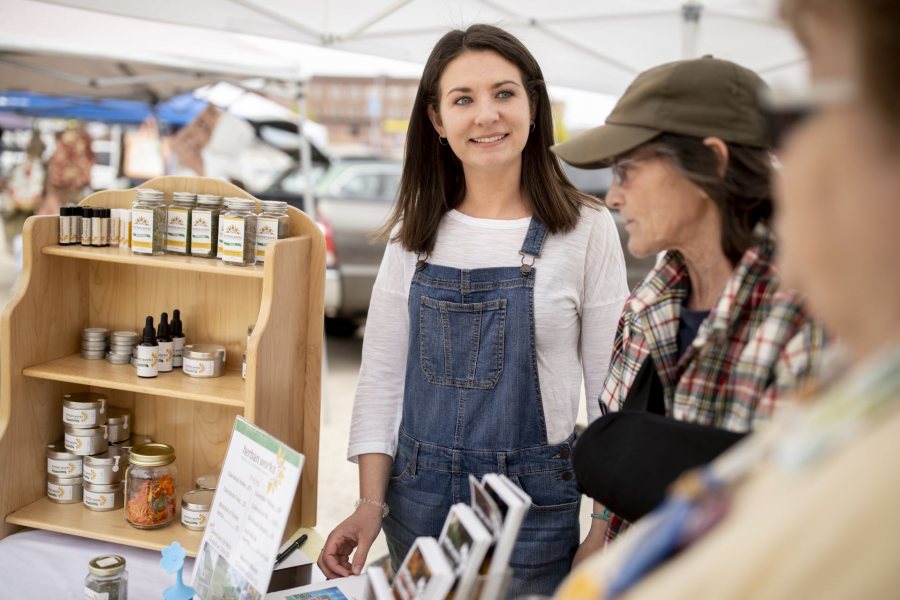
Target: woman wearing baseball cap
[[709, 337], [807, 508]]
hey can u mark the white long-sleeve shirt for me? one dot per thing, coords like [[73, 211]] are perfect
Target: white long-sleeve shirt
[[579, 293]]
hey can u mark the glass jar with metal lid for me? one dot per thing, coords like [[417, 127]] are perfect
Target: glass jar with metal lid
[[106, 578], [205, 226], [178, 223], [148, 222], [203, 360], [272, 224], [238, 232], [150, 484]]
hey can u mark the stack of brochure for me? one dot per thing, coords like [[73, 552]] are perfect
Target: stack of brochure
[[470, 559]]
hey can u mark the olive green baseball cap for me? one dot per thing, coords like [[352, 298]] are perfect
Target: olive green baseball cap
[[701, 97]]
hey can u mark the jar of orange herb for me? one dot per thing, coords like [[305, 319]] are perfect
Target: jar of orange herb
[[150, 484]]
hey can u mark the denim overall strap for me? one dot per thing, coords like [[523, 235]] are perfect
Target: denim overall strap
[[472, 405]]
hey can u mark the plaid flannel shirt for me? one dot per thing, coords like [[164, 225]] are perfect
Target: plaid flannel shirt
[[756, 344]]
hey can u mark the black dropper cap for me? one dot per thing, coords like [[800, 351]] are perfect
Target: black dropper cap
[[176, 324], [149, 338], [162, 332]]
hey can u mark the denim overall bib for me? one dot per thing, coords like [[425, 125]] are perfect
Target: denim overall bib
[[472, 404]]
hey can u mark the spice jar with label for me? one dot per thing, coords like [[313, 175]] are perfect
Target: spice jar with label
[[86, 441], [107, 578], [104, 468], [238, 232], [148, 222], [64, 490], [178, 223], [272, 224], [150, 484], [205, 226]]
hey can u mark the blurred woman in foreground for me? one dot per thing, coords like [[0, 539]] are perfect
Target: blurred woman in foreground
[[807, 507]]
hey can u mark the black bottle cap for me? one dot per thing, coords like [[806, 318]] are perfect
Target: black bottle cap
[[176, 324], [162, 332], [149, 337]]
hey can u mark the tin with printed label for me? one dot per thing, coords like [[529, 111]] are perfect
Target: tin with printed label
[[103, 497], [104, 468], [86, 442], [195, 507], [84, 409], [61, 462], [64, 490]]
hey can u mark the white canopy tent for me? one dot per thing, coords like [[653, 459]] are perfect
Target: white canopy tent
[[597, 45]]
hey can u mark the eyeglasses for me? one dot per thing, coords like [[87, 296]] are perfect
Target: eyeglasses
[[785, 110], [620, 168]]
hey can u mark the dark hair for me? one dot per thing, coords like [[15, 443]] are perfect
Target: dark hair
[[877, 27], [743, 196], [433, 181]]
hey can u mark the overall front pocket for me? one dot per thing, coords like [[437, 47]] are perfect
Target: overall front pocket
[[462, 344]]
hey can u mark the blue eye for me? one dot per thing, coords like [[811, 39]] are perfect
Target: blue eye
[[463, 100], [505, 94]]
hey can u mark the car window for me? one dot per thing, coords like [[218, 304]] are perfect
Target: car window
[[295, 182], [364, 185], [390, 186]]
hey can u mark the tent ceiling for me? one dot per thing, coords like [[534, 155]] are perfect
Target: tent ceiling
[[595, 45]]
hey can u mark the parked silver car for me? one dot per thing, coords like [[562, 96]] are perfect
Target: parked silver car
[[353, 200]]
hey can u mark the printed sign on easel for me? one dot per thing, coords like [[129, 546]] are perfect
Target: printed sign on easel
[[248, 516]]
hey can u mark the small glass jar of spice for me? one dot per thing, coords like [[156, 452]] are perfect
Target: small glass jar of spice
[[150, 484], [107, 578], [205, 226], [238, 232], [272, 224], [148, 222], [178, 223]]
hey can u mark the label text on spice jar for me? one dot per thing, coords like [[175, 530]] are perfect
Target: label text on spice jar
[[176, 230], [201, 231], [142, 231]]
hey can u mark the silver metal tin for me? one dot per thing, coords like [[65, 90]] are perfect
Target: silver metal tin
[[195, 507], [103, 497], [207, 482], [204, 360], [94, 333], [84, 409], [104, 468], [61, 462], [86, 442], [64, 490], [118, 425]]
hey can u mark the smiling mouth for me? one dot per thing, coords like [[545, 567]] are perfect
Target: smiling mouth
[[488, 140]]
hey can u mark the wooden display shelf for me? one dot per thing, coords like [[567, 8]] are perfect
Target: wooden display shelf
[[109, 526], [227, 390], [168, 261]]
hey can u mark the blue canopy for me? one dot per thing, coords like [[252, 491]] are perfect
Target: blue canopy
[[177, 111]]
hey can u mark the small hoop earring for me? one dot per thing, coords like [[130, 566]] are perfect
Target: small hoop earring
[[532, 126], [443, 141]]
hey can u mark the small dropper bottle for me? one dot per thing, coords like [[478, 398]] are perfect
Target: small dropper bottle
[[148, 352], [177, 339], [164, 339]]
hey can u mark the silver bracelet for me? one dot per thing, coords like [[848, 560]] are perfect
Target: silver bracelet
[[384, 507]]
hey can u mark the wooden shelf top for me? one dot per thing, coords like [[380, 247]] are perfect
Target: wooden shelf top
[[226, 390], [110, 526], [167, 261]]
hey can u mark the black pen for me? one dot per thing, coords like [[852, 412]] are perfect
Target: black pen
[[287, 551]]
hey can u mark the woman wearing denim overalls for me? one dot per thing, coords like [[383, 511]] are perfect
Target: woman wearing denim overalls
[[500, 283]]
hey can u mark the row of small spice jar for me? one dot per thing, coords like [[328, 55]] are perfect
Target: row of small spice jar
[[196, 225], [91, 425]]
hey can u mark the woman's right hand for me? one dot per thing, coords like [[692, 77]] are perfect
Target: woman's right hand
[[358, 531]]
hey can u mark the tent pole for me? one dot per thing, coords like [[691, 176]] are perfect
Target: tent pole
[[309, 205]]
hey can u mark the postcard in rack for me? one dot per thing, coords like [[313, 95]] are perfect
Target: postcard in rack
[[513, 504], [465, 541], [248, 515], [426, 573], [485, 507]]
